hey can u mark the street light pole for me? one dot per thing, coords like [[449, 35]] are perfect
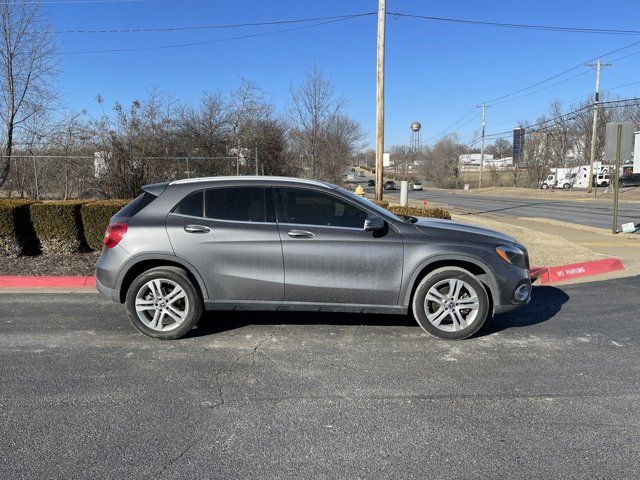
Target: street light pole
[[382, 14]]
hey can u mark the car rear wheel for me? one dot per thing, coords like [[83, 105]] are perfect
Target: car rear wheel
[[450, 303], [163, 303]]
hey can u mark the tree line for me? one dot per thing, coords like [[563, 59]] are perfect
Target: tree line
[[233, 132], [559, 138]]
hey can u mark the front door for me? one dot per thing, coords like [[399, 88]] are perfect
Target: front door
[[230, 236], [328, 257]]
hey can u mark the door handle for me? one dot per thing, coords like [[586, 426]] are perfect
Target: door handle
[[299, 234], [196, 229]]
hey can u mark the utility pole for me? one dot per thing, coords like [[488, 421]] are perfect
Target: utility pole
[[596, 99], [484, 107], [257, 167], [382, 17]]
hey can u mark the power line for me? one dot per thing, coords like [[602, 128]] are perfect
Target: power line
[[496, 101], [543, 88], [545, 124], [454, 123], [554, 28], [215, 27], [553, 77], [206, 42]]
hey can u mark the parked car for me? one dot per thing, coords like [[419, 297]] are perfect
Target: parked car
[[371, 183], [629, 180], [601, 180], [271, 243], [389, 185], [416, 186]]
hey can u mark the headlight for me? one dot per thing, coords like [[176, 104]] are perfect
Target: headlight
[[512, 255]]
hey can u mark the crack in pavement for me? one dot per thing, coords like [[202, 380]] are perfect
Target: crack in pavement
[[236, 362], [179, 456]]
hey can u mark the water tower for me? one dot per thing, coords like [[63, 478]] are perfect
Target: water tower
[[415, 136]]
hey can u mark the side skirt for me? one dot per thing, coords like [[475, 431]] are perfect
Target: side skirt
[[304, 307]]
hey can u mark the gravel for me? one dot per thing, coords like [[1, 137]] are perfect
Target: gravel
[[56, 265]]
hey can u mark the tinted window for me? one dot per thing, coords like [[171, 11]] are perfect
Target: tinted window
[[136, 205], [242, 204], [309, 207], [192, 205]]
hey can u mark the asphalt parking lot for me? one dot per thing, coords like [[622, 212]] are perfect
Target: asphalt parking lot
[[546, 392]]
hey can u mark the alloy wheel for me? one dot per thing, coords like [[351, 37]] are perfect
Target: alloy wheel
[[162, 305], [451, 305]]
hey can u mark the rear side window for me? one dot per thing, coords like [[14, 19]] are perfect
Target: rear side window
[[240, 204], [192, 205], [136, 205]]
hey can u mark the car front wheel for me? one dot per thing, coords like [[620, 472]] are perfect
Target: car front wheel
[[163, 303], [450, 303]]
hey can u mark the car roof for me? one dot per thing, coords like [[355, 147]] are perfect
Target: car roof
[[254, 178]]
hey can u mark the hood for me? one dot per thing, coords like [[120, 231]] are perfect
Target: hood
[[460, 231]]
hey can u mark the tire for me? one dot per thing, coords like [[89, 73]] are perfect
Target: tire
[[544, 186], [434, 318], [163, 316], [566, 186]]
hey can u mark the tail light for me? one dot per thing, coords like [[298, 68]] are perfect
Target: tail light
[[115, 232]]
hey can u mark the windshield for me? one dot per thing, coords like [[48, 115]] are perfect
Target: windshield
[[370, 204]]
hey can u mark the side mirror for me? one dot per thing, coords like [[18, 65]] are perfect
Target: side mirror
[[373, 223]]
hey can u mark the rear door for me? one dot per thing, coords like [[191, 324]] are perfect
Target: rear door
[[328, 257], [229, 234]]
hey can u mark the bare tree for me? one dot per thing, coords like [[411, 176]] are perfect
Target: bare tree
[[322, 136], [27, 63], [443, 166], [205, 127], [247, 108]]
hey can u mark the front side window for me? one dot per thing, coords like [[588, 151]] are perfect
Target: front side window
[[240, 204], [308, 207]]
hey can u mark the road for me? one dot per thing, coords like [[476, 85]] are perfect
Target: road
[[551, 391], [592, 213]]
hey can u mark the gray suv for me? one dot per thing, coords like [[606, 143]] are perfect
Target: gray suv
[[271, 243]]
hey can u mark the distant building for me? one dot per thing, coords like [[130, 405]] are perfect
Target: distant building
[[470, 159], [505, 162]]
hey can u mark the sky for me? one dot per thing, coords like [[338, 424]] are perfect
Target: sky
[[436, 72]]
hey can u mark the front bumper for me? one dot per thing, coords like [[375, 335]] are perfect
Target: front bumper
[[514, 302]]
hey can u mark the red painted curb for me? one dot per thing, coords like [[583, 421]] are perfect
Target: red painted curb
[[563, 273], [12, 281]]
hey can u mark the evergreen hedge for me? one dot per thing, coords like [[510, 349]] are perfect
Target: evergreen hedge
[[95, 218], [415, 211], [58, 225], [16, 231]]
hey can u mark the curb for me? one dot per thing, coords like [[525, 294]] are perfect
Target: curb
[[11, 281], [562, 273]]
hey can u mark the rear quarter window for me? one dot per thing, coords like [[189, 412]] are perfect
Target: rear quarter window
[[137, 204], [191, 205]]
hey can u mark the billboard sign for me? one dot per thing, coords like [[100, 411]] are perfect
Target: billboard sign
[[518, 145]]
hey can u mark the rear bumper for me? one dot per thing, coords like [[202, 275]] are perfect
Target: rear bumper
[[109, 293]]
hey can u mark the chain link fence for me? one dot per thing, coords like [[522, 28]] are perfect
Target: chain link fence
[[100, 176]]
